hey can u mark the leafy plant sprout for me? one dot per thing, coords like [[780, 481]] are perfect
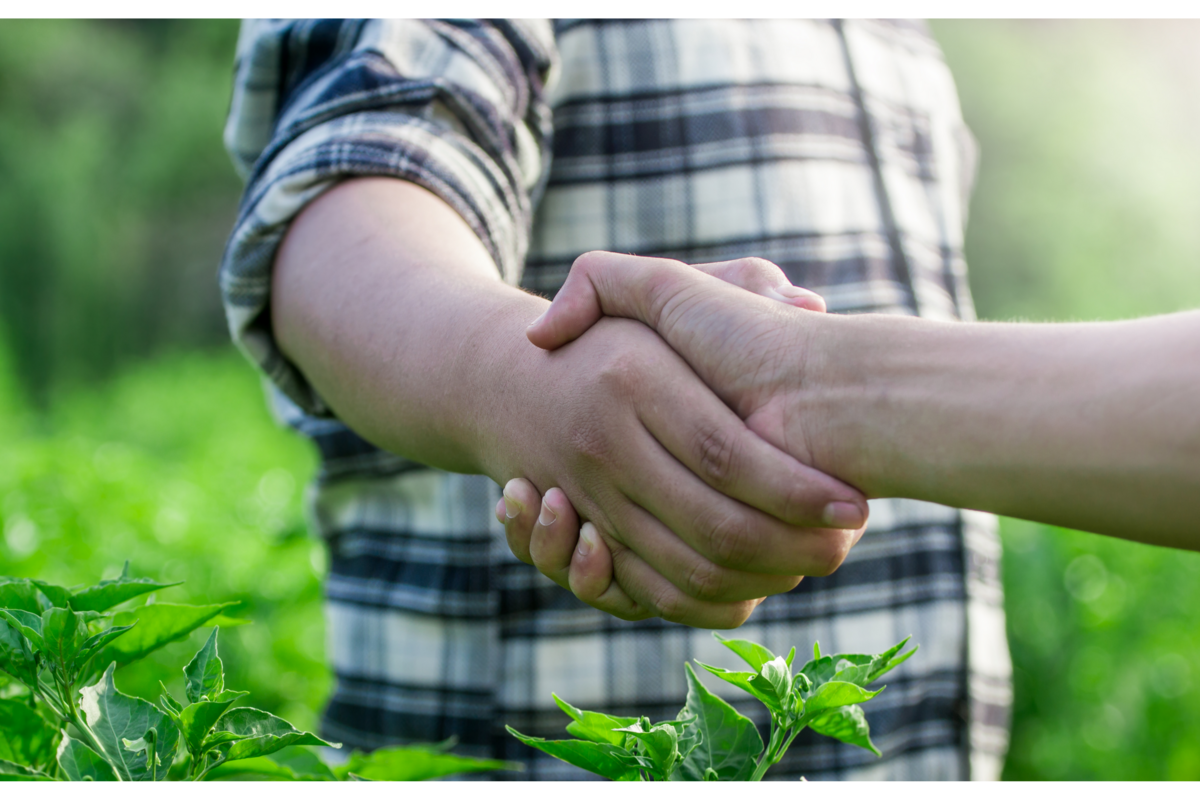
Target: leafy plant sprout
[[709, 740], [63, 646]]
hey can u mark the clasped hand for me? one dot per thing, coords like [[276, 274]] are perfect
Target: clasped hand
[[748, 347]]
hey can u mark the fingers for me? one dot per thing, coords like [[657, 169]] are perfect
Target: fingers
[[517, 511], [764, 278], [613, 579], [637, 287], [554, 537], [719, 450]]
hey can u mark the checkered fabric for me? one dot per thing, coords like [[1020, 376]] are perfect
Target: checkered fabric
[[836, 150]]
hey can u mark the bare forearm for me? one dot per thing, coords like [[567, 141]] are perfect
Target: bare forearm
[[1092, 426], [394, 311]]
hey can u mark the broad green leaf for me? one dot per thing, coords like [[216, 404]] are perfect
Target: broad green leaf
[[603, 759], [107, 594], [20, 772], [417, 763], [80, 763], [23, 595], [114, 717], [303, 762], [260, 768], [729, 743], [752, 653], [62, 635], [199, 718], [780, 677], [16, 656], [57, 595], [750, 682], [25, 738], [661, 743], [835, 694], [592, 725], [27, 623], [265, 733], [205, 673], [96, 643], [157, 625], [847, 724]]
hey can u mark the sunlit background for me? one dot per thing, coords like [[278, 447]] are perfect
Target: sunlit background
[[130, 429]]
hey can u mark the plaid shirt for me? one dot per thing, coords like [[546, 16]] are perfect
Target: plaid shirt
[[835, 150]]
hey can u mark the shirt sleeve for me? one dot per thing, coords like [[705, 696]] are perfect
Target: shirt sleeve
[[457, 107]]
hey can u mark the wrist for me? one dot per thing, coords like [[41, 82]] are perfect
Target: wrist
[[859, 373], [499, 367]]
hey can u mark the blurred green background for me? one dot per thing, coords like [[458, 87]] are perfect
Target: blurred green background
[[130, 429]]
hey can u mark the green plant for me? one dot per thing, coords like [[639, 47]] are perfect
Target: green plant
[[63, 718], [709, 740]]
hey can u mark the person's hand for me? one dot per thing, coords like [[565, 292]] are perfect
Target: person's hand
[[740, 325], [573, 556], [701, 517]]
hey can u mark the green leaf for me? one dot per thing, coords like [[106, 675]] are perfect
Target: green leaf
[[780, 677], [169, 705], [592, 725], [27, 623], [259, 768], [157, 625], [107, 594], [417, 763], [790, 656], [16, 656], [750, 682], [752, 653], [62, 635], [25, 738], [265, 733], [729, 742], [846, 724], [199, 718], [19, 772], [835, 694], [114, 717], [57, 595], [80, 763], [23, 595], [146, 746], [205, 673], [96, 643], [603, 759], [660, 743]]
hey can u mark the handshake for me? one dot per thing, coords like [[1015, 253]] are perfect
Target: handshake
[[732, 503]]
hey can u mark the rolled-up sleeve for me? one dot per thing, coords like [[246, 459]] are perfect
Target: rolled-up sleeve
[[458, 108]]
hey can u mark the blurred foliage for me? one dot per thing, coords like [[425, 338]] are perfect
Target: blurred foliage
[[115, 192], [177, 466], [1085, 208], [116, 196]]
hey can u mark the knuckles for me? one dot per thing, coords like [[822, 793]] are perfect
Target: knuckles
[[731, 540]]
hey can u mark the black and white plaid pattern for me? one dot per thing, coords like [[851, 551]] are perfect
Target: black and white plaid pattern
[[836, 150]]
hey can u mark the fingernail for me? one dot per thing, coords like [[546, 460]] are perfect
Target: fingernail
[[787, 290], [500, 511], [807, 299], [843, 515], [539, 319], [547, 517], [587, 540], [512, 509]]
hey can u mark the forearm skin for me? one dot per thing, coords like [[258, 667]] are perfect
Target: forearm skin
[[1093, 426], [394, 311]]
